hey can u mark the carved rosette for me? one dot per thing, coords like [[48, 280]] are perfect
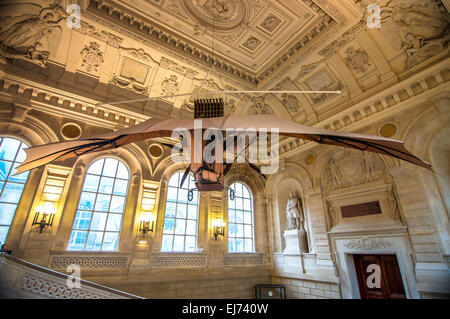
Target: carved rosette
[[92, 57], [357, 60]]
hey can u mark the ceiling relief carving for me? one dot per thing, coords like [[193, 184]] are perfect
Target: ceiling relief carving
[[259, 106], [170, 85], [133, 71], [27, 40], [348, 168], [291, 103], [173, 66], [222, 15], [418, 27], [271, 23]]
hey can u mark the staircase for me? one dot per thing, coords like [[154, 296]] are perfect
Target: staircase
[[20, 279]]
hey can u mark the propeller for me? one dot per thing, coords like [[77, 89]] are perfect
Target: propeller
[[186, 173]]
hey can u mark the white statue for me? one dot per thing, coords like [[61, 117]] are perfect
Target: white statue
[[293, 212]]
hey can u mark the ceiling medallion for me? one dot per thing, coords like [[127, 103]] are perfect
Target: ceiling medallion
[[222, 15]]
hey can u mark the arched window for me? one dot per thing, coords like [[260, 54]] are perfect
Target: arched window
[[240, 220], [11, 187], [100, 210], [181, 216]]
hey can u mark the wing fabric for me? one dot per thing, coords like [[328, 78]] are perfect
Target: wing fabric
[[45, 154]]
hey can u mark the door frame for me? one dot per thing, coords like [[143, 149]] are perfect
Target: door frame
[[345, 247]]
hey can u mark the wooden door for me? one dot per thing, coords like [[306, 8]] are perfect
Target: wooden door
[[391, 284]]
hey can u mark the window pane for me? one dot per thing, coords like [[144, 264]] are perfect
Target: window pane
[[239, 245], [248, 231], [248, 245], [191, 227], [77, 240], [98, 221], [82, 220], [120, 187], [172, 194], [91, 183], [167, 242], [87, 201], [12, 193], [182, 195], [3, 233], [96, 167], [106, 185], [192, 211], [180, 226], [110, 167], [170, 209], [231, 216], [21, 155], [239, 216], [122, 172], [248, 217], [181, 210], [7, 213], [117, 204], [113, 223], [9, 148], [94, 240], [239, 230], [231, 242], [102, 202], [169, 226], [110, 241], [5, 167], [178, 243], [190, 243]]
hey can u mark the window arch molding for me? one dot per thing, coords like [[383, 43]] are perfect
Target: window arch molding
[[255, 184], [131, 209], [31, 132]]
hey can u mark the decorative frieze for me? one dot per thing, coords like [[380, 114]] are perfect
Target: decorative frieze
[[88, 262], [46, 287], [243, 259], [179, 260], [367, 243]]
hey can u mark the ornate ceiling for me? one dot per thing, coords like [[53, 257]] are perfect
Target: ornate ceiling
[[247, 39]]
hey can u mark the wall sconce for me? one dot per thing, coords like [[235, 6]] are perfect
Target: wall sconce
[[147, 222], [219, 228], [48, 212]]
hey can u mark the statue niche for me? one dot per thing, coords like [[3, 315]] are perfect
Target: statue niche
[[295, 235], [27, 38]]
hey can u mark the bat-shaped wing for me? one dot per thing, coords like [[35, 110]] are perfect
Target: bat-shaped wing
[[44, 154]]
